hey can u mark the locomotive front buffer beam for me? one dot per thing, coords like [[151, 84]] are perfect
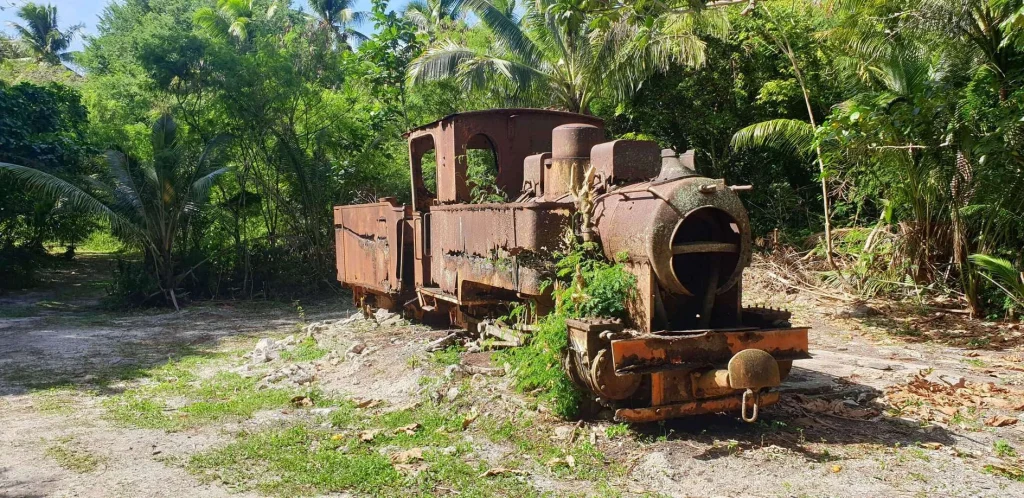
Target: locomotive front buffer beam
[[668, 374]]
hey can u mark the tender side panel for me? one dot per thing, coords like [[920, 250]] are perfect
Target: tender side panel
[[495, 245], [369, 242]]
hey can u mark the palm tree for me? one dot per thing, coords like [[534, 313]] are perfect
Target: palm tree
[[433, 17], [146, 202], [231, 18], [9, 49], [338, 17], [555, 54], [41, 33]]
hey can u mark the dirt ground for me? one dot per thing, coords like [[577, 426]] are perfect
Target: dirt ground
[[899, 400]]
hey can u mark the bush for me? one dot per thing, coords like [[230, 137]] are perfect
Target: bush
[[132, 284], [586, 286], [17, 267]]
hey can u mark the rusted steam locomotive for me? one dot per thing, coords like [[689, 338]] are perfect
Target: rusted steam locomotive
[[689, 347]]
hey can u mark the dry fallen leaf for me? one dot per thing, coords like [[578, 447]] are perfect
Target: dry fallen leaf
[[408, 456], [569, 461], [473, 414], [503, 471], [411, 468], [367, 436], [932, 446], [367, 403], [1000, 421], [408, 430], [302, 402]]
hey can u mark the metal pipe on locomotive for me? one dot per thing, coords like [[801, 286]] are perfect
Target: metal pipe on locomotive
[[688, 347]]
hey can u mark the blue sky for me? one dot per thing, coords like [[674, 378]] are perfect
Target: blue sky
[[70, 12]]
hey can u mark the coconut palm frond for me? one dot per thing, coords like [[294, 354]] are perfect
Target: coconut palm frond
[[509, 33], [71, 196], [1002, 274], [440, 61], [788, 134]]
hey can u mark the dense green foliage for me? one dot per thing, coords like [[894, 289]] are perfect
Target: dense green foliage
[[45, 127], [586, 285], [896, 124]]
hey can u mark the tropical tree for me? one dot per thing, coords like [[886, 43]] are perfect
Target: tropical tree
[[230, 19], [1001, 273], [146, 202], [9, 49], [555, 55], [432, 18], [337, 17], [794, 134], [41, 33]]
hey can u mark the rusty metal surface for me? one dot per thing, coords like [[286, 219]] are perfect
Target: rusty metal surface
[[589, 361], [653, 353], [513, 133], [626, 161], [714, 405], [753, 369], [504, 246], [369, 240], [570, 158], [687, 344]]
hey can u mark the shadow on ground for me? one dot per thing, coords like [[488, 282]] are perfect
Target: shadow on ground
[[788, 425], [61, 334]]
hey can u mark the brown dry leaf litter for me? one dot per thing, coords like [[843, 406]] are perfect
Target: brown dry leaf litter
[[408, 430], [837, 408], [929, 400], [503, 471], [408, 456]]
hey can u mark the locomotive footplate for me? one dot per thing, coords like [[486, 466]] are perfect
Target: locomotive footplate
[[708, 371], [663, 351]]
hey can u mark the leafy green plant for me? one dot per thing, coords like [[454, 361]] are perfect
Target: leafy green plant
[[585, 285], [1003, 449], [1002, 274]]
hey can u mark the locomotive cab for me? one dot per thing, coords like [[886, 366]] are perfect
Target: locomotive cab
[[689, 345]]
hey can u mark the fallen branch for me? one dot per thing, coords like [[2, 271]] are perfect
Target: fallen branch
[[491, 371], [443, 343]]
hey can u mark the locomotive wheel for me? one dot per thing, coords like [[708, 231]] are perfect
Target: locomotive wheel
[[606, 383]]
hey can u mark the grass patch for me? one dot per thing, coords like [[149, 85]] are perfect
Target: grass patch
[[74, 459], [1012, 473], [306, 461], [58, 400], [533, 442], [452, 355], [306, 350], [617, 430], [225, 395], [100, 242], [1003, 449]]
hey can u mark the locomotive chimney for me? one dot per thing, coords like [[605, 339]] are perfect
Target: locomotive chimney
[[570, 157], [674, 166]]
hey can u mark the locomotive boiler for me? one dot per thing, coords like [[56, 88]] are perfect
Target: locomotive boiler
[[688, 347]]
